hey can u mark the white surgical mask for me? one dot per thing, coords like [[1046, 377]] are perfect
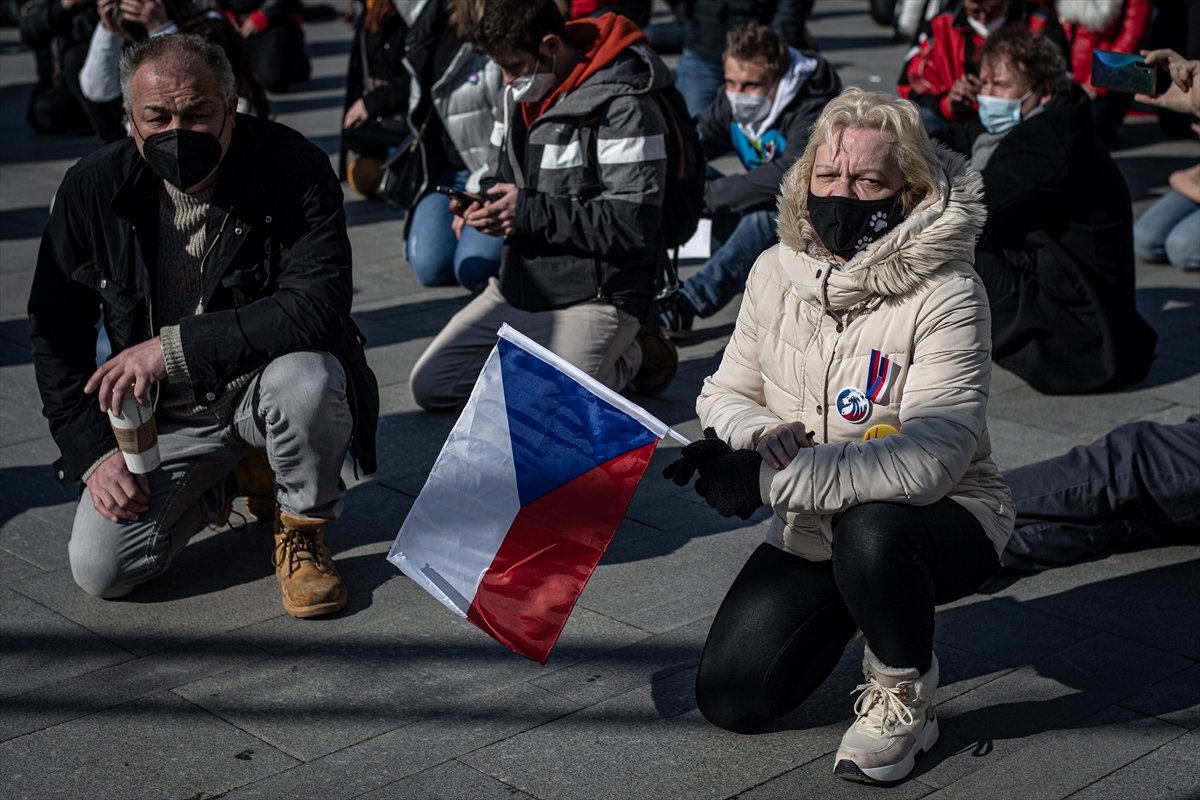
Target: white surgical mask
[[748, 108], [1000, 114], [986, 29], [533, 88]]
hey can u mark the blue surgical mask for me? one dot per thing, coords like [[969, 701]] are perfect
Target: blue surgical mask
[[1000, 114], [748, 108]]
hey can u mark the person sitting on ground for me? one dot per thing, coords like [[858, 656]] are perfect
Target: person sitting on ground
[[59, 33], [123, 22], [941, 71], [453, 109], [866, 320], [274, 34], [254, 353], [1119, 25], [578, 192], [1137, 484], [374, 119], [1057, 252], [773, 95], [252, 97], [1169, 231]]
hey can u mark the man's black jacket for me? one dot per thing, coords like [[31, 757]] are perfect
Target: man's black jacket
[[276, 280]]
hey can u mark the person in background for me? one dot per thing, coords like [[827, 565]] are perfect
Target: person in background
[[374, 120], [1136, 484], [123, 22], [274, 34], [252, 97], [852, 401], [1169, 231], [773, 94], [59, 32], [941, 71], [700, 72], [1120, 25], [577, 192], [1056, 254]]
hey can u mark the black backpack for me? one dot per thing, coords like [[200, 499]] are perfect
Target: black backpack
[[684, 197]]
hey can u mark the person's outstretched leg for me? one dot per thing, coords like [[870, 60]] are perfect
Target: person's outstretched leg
[[1138, 482], [723, 276], [780, 631]]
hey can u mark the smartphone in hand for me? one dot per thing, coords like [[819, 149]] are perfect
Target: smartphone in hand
[[1129, 73], [466, 197]]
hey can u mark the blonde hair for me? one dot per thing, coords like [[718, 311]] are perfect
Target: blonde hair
[[899, 122]]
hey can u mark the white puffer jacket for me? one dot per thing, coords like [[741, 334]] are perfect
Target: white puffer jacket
[[805, 332]]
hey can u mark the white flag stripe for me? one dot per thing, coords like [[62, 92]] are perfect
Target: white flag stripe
[[470, 490], [656, 426], [631, 149]]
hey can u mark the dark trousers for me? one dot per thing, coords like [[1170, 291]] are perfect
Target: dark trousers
[[786, 621], [1137, 483]]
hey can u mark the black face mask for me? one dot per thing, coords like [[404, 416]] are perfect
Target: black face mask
[[183, 158], [846, 225]]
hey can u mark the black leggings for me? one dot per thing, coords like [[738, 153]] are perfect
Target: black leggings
[[786, 621]]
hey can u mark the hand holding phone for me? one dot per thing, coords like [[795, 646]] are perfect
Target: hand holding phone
[[458, 194], [1129, 73]]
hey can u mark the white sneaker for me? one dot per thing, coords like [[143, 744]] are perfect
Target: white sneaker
[[896, 721]]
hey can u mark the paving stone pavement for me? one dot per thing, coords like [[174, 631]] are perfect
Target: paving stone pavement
[[1081, 682]]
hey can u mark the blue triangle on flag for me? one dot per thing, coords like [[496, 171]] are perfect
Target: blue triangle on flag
[[559, 429]]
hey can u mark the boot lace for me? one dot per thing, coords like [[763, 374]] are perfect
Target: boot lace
[[295, 546], [880, 704]]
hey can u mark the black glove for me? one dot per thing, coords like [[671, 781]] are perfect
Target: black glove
[[694, 455], [729, 483]]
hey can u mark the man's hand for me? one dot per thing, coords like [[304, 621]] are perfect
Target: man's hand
[[150, 14], [105, 9], [779, 445], [117, 494], [964, 90], [498, 216], [134, 369]]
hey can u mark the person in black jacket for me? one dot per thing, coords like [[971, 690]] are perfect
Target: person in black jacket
[[773, 95], [213, 246], [1056, 254]]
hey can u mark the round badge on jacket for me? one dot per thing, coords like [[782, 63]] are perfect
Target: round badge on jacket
[[853, 405], [879, 431]]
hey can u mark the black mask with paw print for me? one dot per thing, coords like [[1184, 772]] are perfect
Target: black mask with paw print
[[846, 225]]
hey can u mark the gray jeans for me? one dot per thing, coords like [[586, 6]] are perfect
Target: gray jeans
[[596, 337], [295, 409]]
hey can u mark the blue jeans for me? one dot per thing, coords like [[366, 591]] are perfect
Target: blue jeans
[[1169, 231], [438, 258], [698, 80], [723, 276]]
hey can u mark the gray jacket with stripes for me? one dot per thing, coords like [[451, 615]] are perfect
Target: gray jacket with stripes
[[591, 172]]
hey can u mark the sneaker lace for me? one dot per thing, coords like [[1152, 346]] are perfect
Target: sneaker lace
[[880, 704], [292, 548]]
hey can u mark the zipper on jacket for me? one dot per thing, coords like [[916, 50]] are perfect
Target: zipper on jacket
[[204, 259]]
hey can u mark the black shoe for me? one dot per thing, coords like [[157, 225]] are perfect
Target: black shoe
[[675, 318], [660, 360]]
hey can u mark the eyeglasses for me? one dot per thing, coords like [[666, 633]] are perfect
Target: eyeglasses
[[981, 10]]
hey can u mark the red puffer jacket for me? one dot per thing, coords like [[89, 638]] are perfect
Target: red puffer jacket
[[1118, 25]]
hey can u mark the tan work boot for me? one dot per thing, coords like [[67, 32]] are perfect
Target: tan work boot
[[256, 483], [310, 584]]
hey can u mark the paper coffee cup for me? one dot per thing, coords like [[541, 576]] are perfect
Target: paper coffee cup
[[136, 435]]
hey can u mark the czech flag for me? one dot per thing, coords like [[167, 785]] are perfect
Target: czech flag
[[526, 494]]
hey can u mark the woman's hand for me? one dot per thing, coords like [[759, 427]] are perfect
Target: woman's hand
[[105, 8], [779, 445], [150, 14], [356, 114]]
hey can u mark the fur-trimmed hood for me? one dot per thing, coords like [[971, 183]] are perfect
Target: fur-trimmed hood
[[941, 229]]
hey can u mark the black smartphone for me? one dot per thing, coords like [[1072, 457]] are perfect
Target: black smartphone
[[466, 197], [1129, 73]]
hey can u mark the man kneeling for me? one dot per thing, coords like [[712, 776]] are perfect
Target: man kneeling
[[214, 248]]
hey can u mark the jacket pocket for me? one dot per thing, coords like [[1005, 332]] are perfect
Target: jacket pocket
[[119, 297]]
